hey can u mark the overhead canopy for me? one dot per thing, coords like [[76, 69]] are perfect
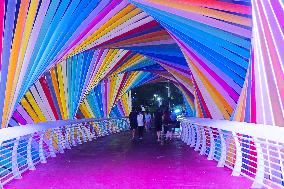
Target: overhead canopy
[[75, 59]]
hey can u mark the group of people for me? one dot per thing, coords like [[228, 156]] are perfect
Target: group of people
[[140, 120]]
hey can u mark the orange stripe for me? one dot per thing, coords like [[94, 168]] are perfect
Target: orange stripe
[[14, 57], [56, 89]]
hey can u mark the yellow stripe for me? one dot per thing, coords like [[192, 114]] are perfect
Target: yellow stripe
[[36, 108], [61, 90], [56, 89], [84, 110], [30, 110], [112, 92]]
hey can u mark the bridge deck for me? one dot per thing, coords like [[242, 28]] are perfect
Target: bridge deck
[[117, 162]]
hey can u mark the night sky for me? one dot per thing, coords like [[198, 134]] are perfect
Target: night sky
[[144, 95]]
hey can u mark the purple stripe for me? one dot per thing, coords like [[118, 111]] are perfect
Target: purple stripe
[[19, 118], [24, 114]]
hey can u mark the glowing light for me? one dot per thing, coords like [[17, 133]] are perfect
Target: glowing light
[[177, 111]]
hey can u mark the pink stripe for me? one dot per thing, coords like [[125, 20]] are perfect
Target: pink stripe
[[279, 12], [253, 100]]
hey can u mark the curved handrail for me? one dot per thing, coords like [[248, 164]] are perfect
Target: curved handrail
[[18, 131], [253, 150], [22, 147], [269, 132]]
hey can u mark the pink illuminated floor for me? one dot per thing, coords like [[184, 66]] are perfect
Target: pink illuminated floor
[[117, 162]]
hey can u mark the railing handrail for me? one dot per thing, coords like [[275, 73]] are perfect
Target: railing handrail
[[18, 131], [252, 150], [268, 132]]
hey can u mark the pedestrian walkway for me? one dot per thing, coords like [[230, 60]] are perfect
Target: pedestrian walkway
[[116, 162]]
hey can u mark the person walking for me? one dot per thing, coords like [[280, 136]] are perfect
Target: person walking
[[158, 123], [140, 121], [167, 122], [133, 122], [148, 120]]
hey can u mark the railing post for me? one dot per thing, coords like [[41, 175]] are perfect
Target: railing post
[[113, 126], [62, 138], [198, 138], [59, 141], [29, 154], [50, 144], [83, 131], [188, 134], [104, 128], [78, 134], [192, 144], [184, 133], [259, 177], [41, 151], [72, 135], [238, 162], [222, 159], [212, 145], [15, 168], [67, 131], [182, 136], [120, 124], [94, 133], [203, 146], [108, 131], [89, 134]]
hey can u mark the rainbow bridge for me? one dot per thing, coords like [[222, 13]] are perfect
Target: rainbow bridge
[[67, 68]]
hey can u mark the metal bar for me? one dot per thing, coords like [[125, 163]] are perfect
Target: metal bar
[[15, 168]]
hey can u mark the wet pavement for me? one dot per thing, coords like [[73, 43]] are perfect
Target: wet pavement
[[117, 162]]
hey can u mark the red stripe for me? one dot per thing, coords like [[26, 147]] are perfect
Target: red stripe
[[47, 93]]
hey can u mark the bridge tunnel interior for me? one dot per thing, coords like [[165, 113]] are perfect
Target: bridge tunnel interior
[[85, 67], [73, 60]]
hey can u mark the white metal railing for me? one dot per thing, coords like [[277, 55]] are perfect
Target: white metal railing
[[255, 151], [22, 147]]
